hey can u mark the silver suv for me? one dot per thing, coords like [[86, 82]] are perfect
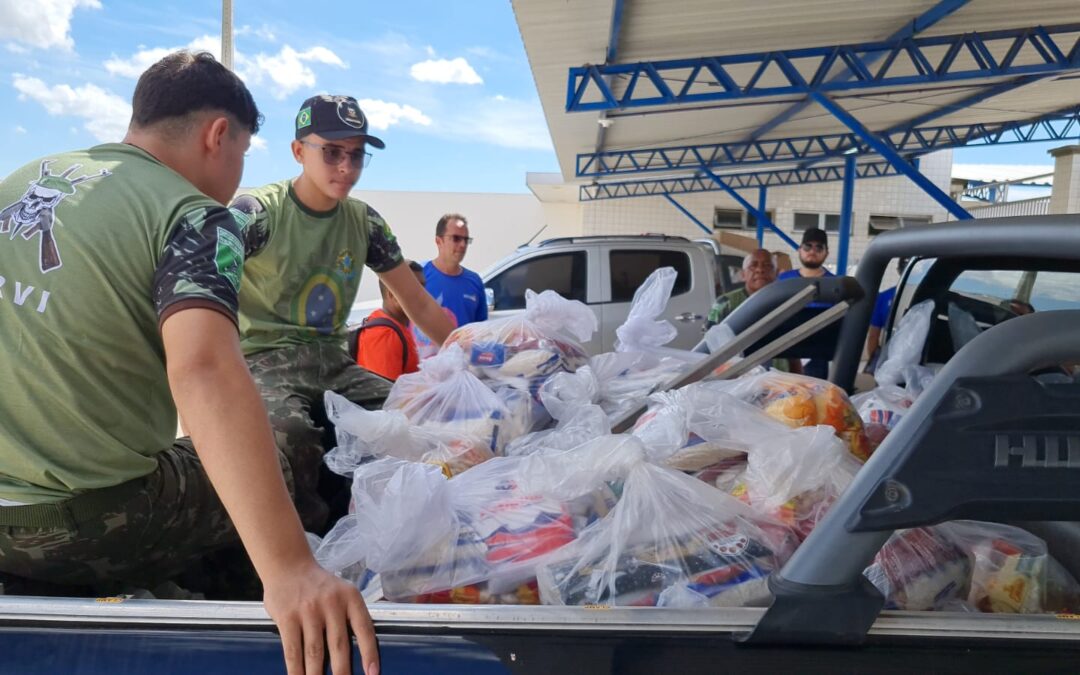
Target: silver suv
[[603, 272]]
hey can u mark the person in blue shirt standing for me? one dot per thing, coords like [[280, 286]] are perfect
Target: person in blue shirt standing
[[882, 307], [813, 252], [458, 289]]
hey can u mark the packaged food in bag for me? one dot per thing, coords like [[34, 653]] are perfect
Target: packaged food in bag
[[920, 569], [366, 434], [477, 536], [699, 426], [880, 410], [524, 350], [670, 540], [584, 424], [801, 401], [446, 396], [1008, 566], [796, 476], [905, 347]]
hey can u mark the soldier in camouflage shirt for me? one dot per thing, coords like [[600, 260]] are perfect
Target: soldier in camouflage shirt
[[307, 243], [120, 289]]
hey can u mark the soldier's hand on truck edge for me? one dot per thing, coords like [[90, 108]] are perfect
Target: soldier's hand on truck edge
[[314, 610]]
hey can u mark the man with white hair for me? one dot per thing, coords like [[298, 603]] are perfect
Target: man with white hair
[[759, 271]]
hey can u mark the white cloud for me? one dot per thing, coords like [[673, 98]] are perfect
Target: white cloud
[[287, 70], [258, 143], [20, 129], [502, 121], [263, 32], [106, 114], [15, 48], [282, 73], [43, 24], [443, 71], [430, 51], [384, 114]]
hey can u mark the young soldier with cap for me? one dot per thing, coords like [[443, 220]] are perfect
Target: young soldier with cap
[[308, 241], [128, 307]]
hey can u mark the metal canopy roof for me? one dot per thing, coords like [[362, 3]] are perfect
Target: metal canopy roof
[[754, 65]]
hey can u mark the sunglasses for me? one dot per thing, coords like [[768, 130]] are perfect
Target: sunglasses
[[813, 247], [334, 154], [458, 239]]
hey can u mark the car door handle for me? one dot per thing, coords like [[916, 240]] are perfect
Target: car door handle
[[686, 317]]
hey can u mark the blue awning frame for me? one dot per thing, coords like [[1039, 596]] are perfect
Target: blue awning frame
[[821, 75]]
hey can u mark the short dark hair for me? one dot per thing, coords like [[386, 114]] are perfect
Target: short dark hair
[[183, 83], [440, 228], [413, 265]]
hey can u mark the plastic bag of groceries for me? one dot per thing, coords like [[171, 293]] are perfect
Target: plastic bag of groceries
[[801, 401], [905, 347], [920, 569], [366, 434], [670, 541], [1009, 566], [882, 408], [446, 396], [476, 537], [698, 426], [796, 476], [576, 428], [525, 349]]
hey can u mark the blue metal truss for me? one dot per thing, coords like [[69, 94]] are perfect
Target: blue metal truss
[[1054, 126], [941, 10], [906, 62], [735, 181]]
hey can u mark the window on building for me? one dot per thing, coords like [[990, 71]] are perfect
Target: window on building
[[830, 222], [737, 219], [630, 268]]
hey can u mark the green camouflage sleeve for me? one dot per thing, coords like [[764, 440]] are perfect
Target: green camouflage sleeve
[[383, 252], [254, 223], [202, 264]]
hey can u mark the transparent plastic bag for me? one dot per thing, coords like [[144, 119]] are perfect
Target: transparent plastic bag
[[801, 401], [881, 410], [920, 569], [478, 536], [905, 347], [575, 429], [525, 349], [673, 541], [444, 395], [365, 434], [1008, 566], [698, 426], [796, 476]]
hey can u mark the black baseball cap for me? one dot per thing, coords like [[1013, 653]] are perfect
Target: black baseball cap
[[815, 235], [334, 118]]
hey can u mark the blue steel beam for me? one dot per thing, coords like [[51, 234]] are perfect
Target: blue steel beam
[[966, 102], [927, 19], [894, 158], [760, 216], [1058, 125], [846, 201], [736, 181], [763, 193], [687, 213], [933, 59]]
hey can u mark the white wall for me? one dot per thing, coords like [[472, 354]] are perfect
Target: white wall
[[498, 223]]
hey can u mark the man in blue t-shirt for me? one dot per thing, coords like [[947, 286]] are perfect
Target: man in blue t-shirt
[[882, 307], [459, 290], [813, 252]]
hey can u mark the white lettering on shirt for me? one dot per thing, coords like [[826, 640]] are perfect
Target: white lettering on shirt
[[23, 296], [21, 292]]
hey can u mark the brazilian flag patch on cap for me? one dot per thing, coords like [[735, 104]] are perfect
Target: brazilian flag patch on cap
[[303, 118]]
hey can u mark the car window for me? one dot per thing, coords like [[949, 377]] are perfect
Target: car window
[[629, 268], [563, 273], [1022, 292]]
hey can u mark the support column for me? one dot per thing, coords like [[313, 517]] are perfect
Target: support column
[[845, 214], [763, 193], [1065, 197]]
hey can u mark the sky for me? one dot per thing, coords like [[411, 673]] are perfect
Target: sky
[[447, 85]]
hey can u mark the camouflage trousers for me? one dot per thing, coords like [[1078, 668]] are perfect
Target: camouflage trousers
[[292, 381], [140, 533]]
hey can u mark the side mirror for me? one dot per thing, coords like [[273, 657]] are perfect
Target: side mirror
[[489, 297]]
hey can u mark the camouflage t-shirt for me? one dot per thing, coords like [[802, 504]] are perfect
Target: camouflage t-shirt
[[97, 248], [303, 267]]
